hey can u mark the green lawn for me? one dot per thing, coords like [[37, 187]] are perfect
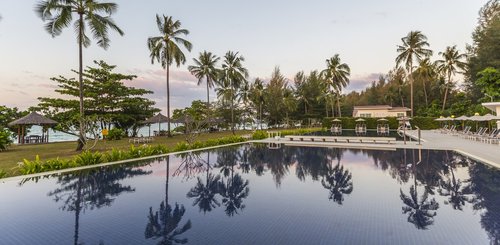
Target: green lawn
[[16, 153]]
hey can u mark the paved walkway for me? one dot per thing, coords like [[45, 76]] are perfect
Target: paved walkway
[[484, 152]]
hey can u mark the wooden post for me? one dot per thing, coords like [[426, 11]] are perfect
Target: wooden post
[[22, 133], [19, 134]]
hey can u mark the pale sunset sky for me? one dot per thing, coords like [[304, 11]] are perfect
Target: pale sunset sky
[[294, 35]]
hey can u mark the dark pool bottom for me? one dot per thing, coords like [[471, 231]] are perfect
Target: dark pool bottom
[[250, 194]]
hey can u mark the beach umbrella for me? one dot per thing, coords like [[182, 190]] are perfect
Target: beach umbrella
[[360, 120], [462, 118], [336, 120], [382, 120]]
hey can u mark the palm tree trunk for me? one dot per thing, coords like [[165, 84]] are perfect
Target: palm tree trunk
[[326, 107], [81, 136], [260, 115], [168, 99], [446, 92], [232, 110], [208, 105], [338, 105], [425, 92], [78, 209], [166, 182], [411, 89]]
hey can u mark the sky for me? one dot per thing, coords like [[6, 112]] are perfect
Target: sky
[[295, 35]]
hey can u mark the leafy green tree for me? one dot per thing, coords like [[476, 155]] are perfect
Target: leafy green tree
[[205, 68], [489, 82], [233, 75], [93, 15], [274, 97], [413, 49], [451, 63], [336, 75], [165, 49], [106, 97], [8, 115]]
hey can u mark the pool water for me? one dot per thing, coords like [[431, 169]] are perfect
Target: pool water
[[249, 194]]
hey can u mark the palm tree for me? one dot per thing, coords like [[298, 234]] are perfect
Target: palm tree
[[204, 68], [449, 65], [204, 194], [257, 91], [233, 74], [165, 49], [92, 14], [420, 211], [413, 48], [336, 75], [425, 72]]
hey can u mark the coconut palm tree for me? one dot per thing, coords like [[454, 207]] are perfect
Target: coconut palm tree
[[336, 76], [413, 49], [451, 63], [234, 74], [257, 94], [426, 71], [92, 15], [205, 68], [165, 49]]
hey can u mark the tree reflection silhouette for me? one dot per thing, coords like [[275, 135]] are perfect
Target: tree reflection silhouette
[[93, 189], [165, 223], [338, 181], [456, 190], [204, 193], [420, 210]]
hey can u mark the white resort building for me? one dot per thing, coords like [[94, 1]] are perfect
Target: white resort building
[[379, 111]]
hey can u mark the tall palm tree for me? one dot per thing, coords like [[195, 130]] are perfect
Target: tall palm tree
[[205, 68], [336, 75], [257, 91], [234, 74], [92, 14], [165, 49], [204, 194], [451, 63], [425, 72], [413, 48]]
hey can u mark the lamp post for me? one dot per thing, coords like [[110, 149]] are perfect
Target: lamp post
[[491, 97]]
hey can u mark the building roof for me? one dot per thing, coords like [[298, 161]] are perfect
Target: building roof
[[33, 119], [372, 107], [158, 118], [400, 109], [491, 105]]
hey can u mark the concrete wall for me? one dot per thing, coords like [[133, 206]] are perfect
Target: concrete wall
[[377, 113]]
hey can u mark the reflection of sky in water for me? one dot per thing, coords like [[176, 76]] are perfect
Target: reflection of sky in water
[[286, 203]]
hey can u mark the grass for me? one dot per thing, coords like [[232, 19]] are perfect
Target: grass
[[64, 150]]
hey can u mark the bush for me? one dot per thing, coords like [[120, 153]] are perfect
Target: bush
[[180, 129], [259, 135], [299, 131], [116, 155], [31, 167], [5, 139], [115, 134], [88, 158], [3, 174], [57, 164]]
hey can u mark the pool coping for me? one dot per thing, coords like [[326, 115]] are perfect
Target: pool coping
[[362, 146], [57, 172]]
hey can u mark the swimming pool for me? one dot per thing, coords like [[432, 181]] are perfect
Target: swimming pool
[[249, 194]]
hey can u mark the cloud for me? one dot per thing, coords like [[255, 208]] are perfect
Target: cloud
[[360, 82]]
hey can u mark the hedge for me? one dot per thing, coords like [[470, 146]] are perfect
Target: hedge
[[87, 158], [424, 123]]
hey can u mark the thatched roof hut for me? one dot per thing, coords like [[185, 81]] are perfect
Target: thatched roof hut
[[158, 118], [32, 119]]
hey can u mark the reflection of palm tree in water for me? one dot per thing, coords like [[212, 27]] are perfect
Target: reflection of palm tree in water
[[453, 188], [338, 181], [89, 190], [421, 211], [164, 224], [234, 189], [204, 194]]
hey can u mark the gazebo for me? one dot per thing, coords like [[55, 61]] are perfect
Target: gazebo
[[28, 120], [158, 118]]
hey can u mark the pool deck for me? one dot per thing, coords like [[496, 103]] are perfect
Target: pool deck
[[433, 140]]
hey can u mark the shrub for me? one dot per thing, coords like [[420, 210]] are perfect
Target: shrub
[[88, 158], [180, 129], [116, 155], [57, 164], [115, 134], [181, 146], [5, 139], [31, 167], [3, 174], [259, 135]]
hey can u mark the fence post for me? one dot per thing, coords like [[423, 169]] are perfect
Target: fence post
[[419, 134]]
